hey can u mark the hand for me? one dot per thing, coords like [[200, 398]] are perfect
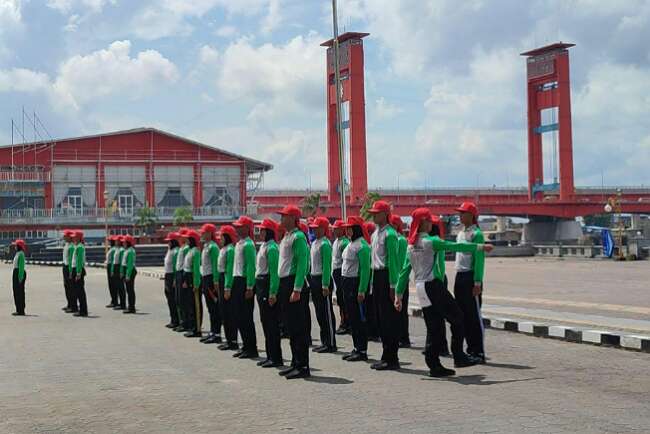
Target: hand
[[272, 300], [361, 298], [478, 288], [488, 248], [127, 279], [249, 294], [77, 278], [398, 304], [326, 292], [212, 295], [184, 285], [226, 294], [295, 296]]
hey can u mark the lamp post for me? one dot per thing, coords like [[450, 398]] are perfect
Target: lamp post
[[613, 205], [106, 222]]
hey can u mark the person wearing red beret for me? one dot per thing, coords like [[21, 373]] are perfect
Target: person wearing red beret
[[110, 257], [320, 282], [116, 273], [179, 279], [402, 245], [67, 283], [129, 272], [18, 278], [225, 266], [293, 298], [192, 307], [341, 241], [78, 273], [170, 274], [210, 281]]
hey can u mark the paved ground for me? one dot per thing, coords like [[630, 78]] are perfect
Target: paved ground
[[116, 373]]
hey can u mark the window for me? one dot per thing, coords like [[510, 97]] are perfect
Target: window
[[125, 204]]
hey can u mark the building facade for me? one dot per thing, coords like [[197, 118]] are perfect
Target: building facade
[[102, 180]]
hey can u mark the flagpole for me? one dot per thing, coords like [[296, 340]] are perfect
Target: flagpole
[[339, 126]]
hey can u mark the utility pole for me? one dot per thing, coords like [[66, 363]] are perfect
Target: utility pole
[[339, 124]]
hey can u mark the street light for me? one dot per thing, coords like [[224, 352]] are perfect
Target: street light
[[613, 205], [106, 222]]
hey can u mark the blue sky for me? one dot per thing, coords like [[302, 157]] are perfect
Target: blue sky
[[445, 86]]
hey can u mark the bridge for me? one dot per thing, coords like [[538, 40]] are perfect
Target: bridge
[[546, 196]]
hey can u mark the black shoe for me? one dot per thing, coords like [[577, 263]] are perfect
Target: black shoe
[[110, 306], [405, 344], [319, 348], [464, 361], [358, 357], [79, 314], [271, 364], [238, 354], [70, 310], [342, 331], [327, 349], [216, 339], [64, 308], [119, 307], [445, 353], [18, 314], [479, 357], [348, 355], [262, 362], [286, 371], [180, 329], [129, 311], [171, 325], [441, 371], [385, 366], [212, 340], [205, 338], [298, 373], [228, 346], [192, 334], [249, 355]]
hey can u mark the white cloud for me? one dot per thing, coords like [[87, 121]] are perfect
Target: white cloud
[[23, 80], [226, 31], [273, 18], [10, 20], [66, 6], [385, 110], [73, 23], [208, 55], [111, 71], [275, 79]]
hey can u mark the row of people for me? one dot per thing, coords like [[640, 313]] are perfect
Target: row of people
[[287, 271]]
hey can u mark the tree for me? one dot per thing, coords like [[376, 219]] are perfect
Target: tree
[[182, 216], [146, 219], [368, 201], [311, 205], [600, 220]]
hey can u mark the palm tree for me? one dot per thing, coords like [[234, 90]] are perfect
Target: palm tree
[[311, 205], [182, 216], [146, 219], [368, 200]]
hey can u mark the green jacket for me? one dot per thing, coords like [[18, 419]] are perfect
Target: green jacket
[[249, 263], [196, 266], [479, 256], [20, 264], [326, 259], [273, 259], [174, 258], [117, 260], [439, 246], [213, 251], [402, 246], [230, 265], [300, 259], [130, 263], [70, 254], [80, 252]]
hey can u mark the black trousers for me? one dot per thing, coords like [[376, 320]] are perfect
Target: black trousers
[[270, 318], [170, 295], [340, 298], [297, 321], [19, 292], [79, 287], [404, 335], [189, 305], [324, 311], [112, 290], [444, 345], [207, 287], [388, 318], [471, 308], [120, 288], [443, 306], [244, 308], [371, 313], [356, 313], [178, 296], [228, 315], [129, 286], [69, 291]]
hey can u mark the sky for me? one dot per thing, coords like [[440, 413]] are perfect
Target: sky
[[445, 84]]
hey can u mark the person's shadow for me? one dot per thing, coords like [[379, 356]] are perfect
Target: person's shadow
[[479, 380], [508, 366], [328, 380]]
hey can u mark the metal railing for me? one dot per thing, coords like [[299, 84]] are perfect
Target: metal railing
[[25, 176]]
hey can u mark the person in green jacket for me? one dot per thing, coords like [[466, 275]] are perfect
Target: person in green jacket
[[19, 277], [243, 287], [129, 272], [320, 282], [292, 296], [402, 245], [180, 280], [426, 258], [116, 273], [355, 274], [110, 258], [192, 285], [228, 236], [341, 241], [267, 283], [170, 276], [468, 285], [78, 273], [71, 307], [210, 281]]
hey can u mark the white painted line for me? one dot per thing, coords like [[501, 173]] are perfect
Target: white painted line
[[526, 327], [558, 331], [633, 342], [593, 336]]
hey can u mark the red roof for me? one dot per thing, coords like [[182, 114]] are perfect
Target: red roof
[[344, 37], [553, 47]]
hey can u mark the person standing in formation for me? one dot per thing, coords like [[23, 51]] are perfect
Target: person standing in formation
[[341, 241], [468, 286], [192, 285], [116, 275], [110, 255], [225, 267], [320, 282], [243, 287], [266, 288], [170, 273], [78, 273], [67, 282], [179, 280], [425, 257], [19, 276], [402, 245], [385, 269], [129, 272], [210, 281], [294, 300], [355, 273]]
